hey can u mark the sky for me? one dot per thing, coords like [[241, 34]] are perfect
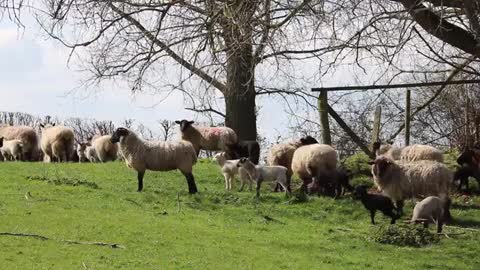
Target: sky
[[36, 78]]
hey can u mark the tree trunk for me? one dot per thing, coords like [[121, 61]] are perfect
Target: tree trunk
[[240, 94]]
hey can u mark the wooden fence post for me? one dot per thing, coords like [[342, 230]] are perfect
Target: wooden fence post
[[323, 112]]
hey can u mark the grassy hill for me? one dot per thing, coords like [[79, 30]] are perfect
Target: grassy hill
[[165, 228]]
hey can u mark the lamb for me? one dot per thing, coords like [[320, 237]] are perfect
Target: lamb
[[91, 154], [248, 149], [104, 148], [260, 173], [432, 210], [229, 169], [374, 202], [339, 183], [81, 152], [282, 154], [27, 135], [317, 163], [402, 180], [57, 143], [12, 150], [156, 156], [414, 152], [469, 157], [207, 138]]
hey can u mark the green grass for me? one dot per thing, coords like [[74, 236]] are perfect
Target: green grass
[[166, 228]]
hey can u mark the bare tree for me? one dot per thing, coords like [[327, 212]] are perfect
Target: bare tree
[[167, 129]]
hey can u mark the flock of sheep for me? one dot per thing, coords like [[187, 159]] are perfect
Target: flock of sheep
[[415, 171]]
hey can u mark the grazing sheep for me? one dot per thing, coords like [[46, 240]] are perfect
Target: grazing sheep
[[57, 143], [247, 149], [27, 135], [463, 173], [12, 150], [207, 138], [156, 156], [374, 202], [260, 173], [317, 163], [412, 153], [81, 152], [432, 210], [282, 154], [91, 154], [229, 169], [104, 148], [402, 180]]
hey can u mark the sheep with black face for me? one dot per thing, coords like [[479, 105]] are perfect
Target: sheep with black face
[[143, 155]]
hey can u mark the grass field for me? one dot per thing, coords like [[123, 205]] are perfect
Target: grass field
[[165, 228]]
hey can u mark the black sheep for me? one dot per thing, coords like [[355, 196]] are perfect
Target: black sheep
[[333, 186], [246, 149], [374, 202], [463, 173]]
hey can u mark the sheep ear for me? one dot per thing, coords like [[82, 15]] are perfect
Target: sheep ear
[[191, 122], [178, 122], [42, 125], [371, 162], [53, 124]]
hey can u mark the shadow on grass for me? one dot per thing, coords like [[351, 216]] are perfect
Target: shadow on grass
[[466, 223], [465, 207]]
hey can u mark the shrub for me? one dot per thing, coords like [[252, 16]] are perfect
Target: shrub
[[405, 235]]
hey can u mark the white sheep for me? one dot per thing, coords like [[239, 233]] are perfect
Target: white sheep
[[104, 148], [413, 152], [12, 150], [316, 163], [207, 138], [402, 180], [229, 169], [27, 135], [282, 154], [431, 210], [57, 143], [156, 156], [261, 173]]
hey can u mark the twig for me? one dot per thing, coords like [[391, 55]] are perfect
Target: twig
[[41, 237], [133, 201], [178, 203]]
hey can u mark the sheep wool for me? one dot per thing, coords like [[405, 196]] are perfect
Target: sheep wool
[[156, 156], [57, 143], [314, 160], [207, 138], [26, 135], [430, 210], [414, 152], [104, 148]]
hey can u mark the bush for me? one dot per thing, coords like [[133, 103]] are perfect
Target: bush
[[405, 235], [357, 164]]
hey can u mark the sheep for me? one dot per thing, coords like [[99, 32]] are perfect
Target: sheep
[[282, 154], [91, 154], [104, 148], [12, 150], [207, 138], [317, 163], [27, 135], [401, 180], [260, 173], [414, 152], [374, 202], [229, 169], [56, 142], [336, 186], [248, 149], [463, 173], [432, 210], [156, 156]]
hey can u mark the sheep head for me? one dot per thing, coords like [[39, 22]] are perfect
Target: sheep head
[[184, 124], [360, 191], [118, 134], [307, 140], [1, 141], [380, 165], [470, 157], [47, 125], [248, 166]]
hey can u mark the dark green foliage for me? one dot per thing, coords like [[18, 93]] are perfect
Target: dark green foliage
[[405, 235]]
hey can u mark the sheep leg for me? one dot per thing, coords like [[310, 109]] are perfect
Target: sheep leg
[[242, 185], [439, 225], [226, 181], [372, 216], [399, 205], [259, 183], [192, 187], [140, 180]]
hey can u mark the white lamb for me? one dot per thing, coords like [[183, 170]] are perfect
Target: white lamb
[[229, 169], [260, 173], [91, 154], [12, 150]]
